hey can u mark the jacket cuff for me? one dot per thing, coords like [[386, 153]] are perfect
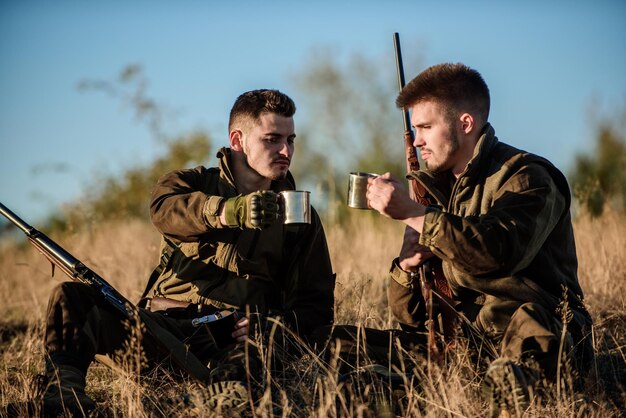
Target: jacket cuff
[[403, 278], [211, 209], [431, 226]]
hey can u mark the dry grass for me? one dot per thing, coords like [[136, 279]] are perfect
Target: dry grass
[[124, 254]]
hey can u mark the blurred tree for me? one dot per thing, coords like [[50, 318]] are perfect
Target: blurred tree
[[130, 88], [352, 123], [599, 177], [128, 194]]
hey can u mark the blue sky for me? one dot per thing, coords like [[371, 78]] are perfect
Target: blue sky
[[547, 64]]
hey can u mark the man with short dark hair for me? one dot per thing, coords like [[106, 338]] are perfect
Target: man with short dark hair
[[499, 221], [224, 248]]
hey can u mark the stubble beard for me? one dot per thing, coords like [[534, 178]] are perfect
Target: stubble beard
[[270, 176], [453, 147]]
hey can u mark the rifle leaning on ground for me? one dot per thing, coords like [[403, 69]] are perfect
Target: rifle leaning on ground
[[440, 313], [77, 271]]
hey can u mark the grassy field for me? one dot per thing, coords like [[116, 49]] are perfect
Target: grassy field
[[362, 248]]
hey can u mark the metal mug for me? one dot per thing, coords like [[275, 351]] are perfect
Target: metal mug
[[296, 206], [357, 189]]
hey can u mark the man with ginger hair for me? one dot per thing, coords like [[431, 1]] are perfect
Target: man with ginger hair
[[499, 221], [225, 247]]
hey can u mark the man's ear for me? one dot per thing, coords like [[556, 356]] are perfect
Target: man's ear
[[467, 123], [235, 139]]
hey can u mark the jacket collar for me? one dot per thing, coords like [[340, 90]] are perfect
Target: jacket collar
[[485, 144]]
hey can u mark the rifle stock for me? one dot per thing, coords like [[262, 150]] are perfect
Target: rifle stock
[[77, 271]]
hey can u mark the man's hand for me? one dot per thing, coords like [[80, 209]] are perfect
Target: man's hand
[[256, 210], [391, 198], [240, 334], [412, 254]]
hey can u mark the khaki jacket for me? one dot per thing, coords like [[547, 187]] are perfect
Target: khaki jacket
[[504, 234], [282, 269]]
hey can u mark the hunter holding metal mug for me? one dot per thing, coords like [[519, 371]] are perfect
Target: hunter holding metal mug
[[497, 220], [229, 262]]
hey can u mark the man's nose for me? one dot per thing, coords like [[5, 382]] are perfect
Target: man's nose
[[418, 141], [285, 149]]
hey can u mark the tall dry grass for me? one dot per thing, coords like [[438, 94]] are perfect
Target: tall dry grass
[[361, 250]]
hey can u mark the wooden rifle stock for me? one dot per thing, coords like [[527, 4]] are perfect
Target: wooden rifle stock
[[431, 277]]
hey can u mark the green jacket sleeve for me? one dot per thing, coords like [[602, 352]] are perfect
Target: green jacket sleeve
[[181, 208], [506, 237], [405, 299]]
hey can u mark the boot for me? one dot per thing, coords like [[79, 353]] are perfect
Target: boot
[[375, 383], [508, 388], [231, 395], [65, 392]]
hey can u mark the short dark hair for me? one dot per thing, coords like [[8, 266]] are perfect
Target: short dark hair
[[251, 104], [457, 87]]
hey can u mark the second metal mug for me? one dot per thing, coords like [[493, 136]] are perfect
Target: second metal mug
[[357, 189]]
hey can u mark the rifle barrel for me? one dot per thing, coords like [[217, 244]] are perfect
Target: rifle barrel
[[41, 240], [16, 220], [400, 72]]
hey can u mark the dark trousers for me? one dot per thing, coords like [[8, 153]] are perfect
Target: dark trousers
[[354, 346], [536, 336], [80, 325], [533, 336]]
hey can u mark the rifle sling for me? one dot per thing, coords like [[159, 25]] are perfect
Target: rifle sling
[[164, 260], [177, 350]]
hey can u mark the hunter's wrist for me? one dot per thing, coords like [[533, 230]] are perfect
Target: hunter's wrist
[[415, 218], [229, 214], [405, 267], [400, 276]]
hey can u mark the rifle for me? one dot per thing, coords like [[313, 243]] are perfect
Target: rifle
[[431, 277], [77, 271]]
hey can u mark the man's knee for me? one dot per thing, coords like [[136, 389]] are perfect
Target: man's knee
[[68, 302], [534, 319], [536, 334], [72, 291], [495, 316]]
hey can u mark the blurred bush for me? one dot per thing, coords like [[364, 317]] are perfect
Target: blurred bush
[[598, 178], [128, 195], [352, 123]]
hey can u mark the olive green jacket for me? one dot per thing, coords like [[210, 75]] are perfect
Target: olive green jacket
[[504, 234], [283, 269]]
